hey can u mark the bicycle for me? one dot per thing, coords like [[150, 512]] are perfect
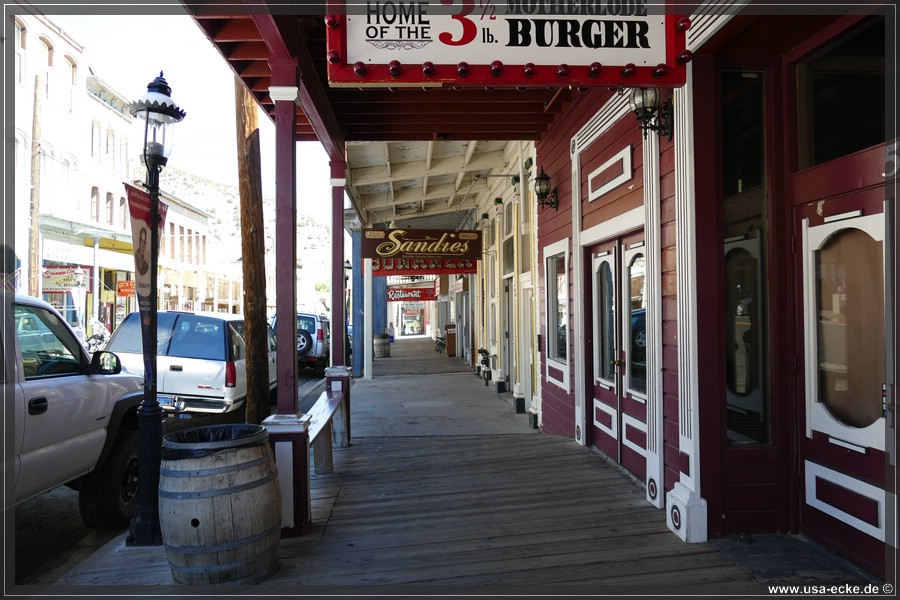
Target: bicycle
[[439, 344]]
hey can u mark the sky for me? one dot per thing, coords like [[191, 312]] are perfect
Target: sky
[[129, 51]]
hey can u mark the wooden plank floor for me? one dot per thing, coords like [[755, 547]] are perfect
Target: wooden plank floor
[[506, 511], [419, 503]]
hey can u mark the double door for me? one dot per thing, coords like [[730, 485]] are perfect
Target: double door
[[619, 350]]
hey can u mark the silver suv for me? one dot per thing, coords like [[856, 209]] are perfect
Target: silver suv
[[313, 340], [201, 363]]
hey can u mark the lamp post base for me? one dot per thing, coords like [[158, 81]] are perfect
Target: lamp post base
[[144, 530]]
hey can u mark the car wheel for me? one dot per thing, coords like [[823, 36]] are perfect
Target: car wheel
[[108, 496], [640, 339], [304, 341]]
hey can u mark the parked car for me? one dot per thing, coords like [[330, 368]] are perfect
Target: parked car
[[639, 335], [313, 340], [72, 415], [201, 361]]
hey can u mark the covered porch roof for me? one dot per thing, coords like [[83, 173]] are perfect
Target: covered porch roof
[[416, 157]]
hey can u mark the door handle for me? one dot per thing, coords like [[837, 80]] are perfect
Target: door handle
[[617, 363], [37, 406], [178, 368]]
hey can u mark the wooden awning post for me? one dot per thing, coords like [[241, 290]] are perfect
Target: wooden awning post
[[338, 276], [285, 93]]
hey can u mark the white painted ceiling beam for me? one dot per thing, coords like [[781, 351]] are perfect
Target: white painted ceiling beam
[[449, 166], [437, 192]]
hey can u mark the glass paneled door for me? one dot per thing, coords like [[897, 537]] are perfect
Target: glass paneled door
[[843, 298], [618, 422]]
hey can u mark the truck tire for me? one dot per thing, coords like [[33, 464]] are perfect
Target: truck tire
[[108, 496]]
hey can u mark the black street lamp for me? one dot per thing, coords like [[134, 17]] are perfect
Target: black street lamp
[[156, 111]]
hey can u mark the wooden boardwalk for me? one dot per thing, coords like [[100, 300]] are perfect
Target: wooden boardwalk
[[420, 504], [504, 513], [510, 511]]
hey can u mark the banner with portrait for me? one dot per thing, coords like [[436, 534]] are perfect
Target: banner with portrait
[[139, 207]]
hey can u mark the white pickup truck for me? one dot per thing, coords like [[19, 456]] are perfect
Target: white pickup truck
[[72, 416]]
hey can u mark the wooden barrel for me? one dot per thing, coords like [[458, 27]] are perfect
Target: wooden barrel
[[219, 505], [382, 347]]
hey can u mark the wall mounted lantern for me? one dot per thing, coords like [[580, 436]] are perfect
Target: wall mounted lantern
[[546, 196], [653, 116]]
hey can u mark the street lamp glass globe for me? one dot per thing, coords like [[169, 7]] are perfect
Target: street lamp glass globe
[[158, 138], [155, 111]]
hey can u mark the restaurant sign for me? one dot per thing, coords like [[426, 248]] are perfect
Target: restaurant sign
[[60, 279], [421, 251], [410, 295], [517, 43]]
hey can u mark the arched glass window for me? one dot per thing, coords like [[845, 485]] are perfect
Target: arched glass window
[[95, 204], [606, 322], [850, 330], [45, 63], [20, 52], [71, 82], [637, 325]]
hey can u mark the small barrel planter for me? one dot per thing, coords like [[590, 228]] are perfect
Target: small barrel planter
[[382, 347], [219, 505]]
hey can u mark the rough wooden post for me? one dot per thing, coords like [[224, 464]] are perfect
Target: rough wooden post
[[252, 254]]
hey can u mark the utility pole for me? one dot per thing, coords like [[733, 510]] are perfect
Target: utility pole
[[34, 244], [253, 253]]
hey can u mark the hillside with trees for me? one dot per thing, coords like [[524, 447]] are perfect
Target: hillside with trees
[[222, 202]]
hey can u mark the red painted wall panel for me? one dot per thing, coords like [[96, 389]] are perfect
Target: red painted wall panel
[[558, 406]]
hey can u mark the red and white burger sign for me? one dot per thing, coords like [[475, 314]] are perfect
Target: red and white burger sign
[[385, 43]]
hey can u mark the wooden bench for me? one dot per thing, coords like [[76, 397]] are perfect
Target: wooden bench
[[327, 426], [294, 436]]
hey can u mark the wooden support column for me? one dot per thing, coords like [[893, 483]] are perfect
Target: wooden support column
[[338, 282], [284, 92], [288, 430]]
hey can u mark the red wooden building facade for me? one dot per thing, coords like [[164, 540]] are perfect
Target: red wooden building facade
[[718, 310], [722, 335]]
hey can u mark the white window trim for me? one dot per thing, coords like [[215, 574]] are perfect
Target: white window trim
[[560, 247]]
